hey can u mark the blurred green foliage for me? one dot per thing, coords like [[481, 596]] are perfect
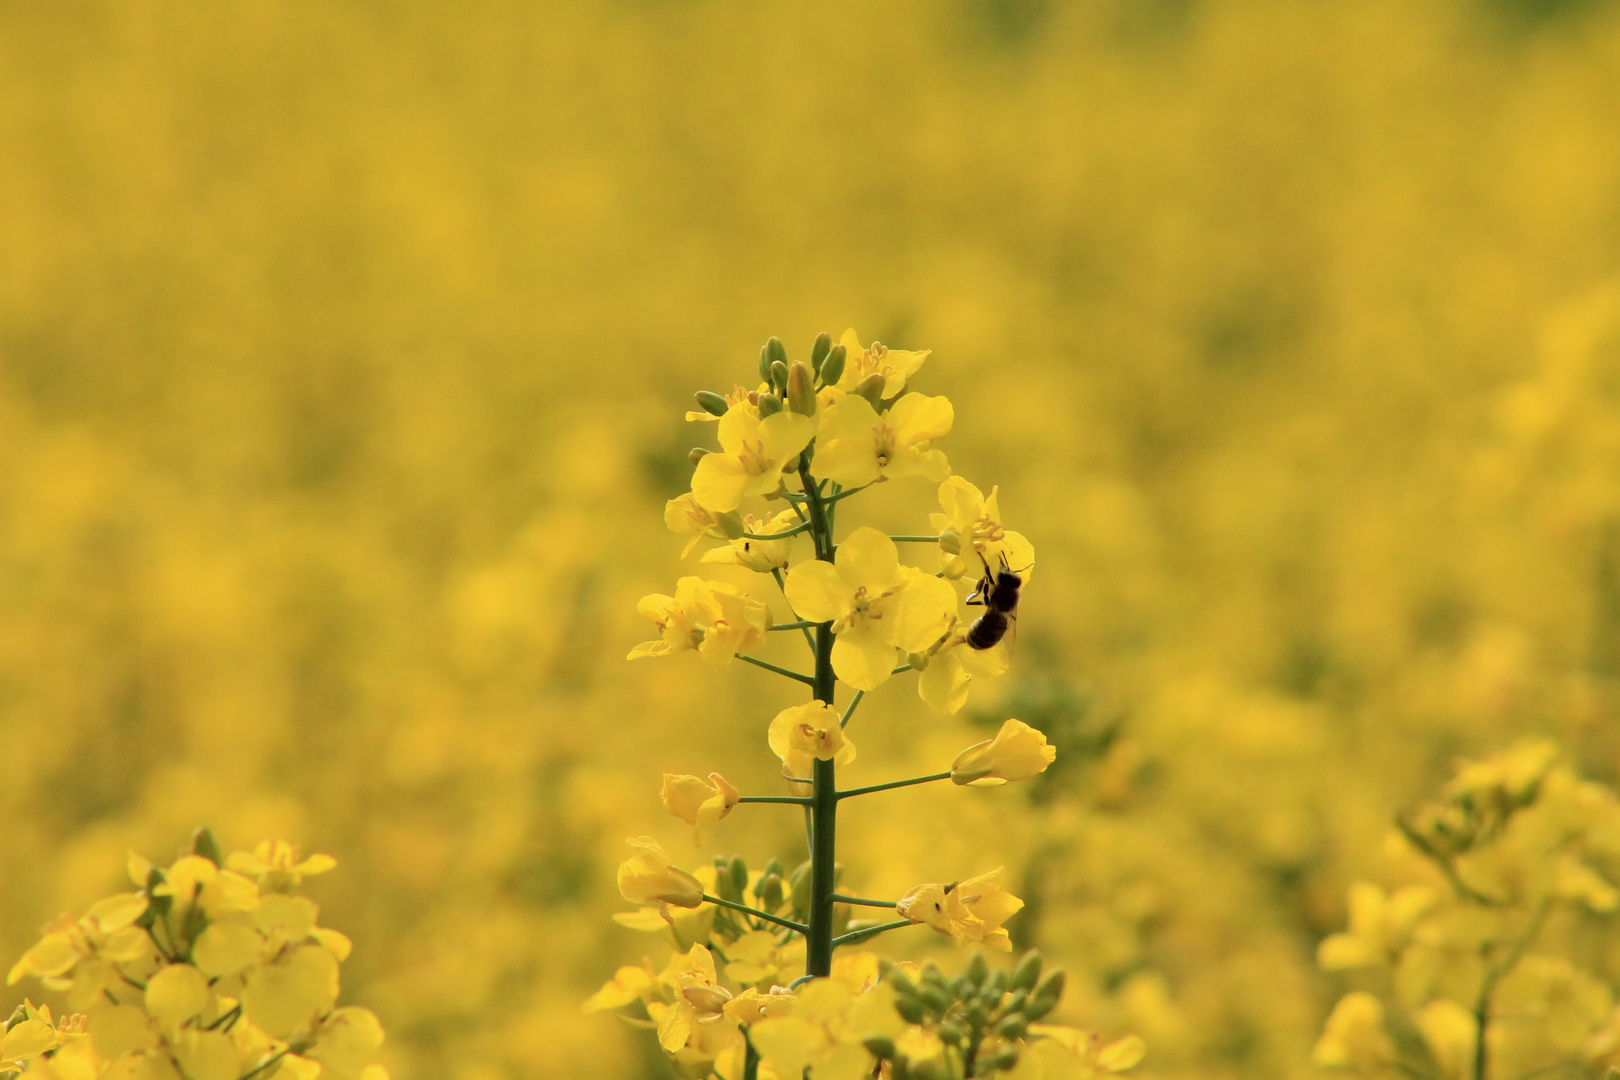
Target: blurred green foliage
[[342, 356]]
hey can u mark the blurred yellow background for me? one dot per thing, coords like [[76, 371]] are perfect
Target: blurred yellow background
[[343, 352]]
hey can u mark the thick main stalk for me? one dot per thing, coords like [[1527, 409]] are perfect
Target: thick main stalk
[[824, 790]]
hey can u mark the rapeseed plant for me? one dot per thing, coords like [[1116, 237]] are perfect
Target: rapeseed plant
[[764, 979]]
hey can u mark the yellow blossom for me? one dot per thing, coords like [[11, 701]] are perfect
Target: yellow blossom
[[739, 396], [628, 984], [1354, 1036], [895, 365], [649, 877], [698, 998], [751, 1006], [713, 617], [971, 534], [276, 864], [683, 514], [802, 733], [1380, 926], [761, 556], [856, 445], [826, 1032], [699, 803], [874, 604], [1450, 1031], [1018, 752], [971, 910], [951, 666], [753, 454]]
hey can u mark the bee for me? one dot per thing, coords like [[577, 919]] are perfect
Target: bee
[[997, 591]]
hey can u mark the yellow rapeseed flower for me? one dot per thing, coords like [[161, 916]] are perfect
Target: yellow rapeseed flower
[[951, 665], [1354, 1036], [971, 534], [1381, 924], [856, 445], [683, 514], [861, 361], [827, 1031], [628, 984], [277, 864], [714, 618], [801, 734], [761, 556], [971, 910], [698, 802], [649, 877], [875, 605], [753, 454], [1018, 752]]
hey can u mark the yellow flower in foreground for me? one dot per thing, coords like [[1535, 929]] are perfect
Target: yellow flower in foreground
[[856, 445], [716, 619], [753, 454], [800, 734], [971, 534], [1018, 752], [761, 556], [952, 666], [698, 802], [895, 365], [875, 605], [827, 1030], [649, 877], [971, 910], [1354, 1036]]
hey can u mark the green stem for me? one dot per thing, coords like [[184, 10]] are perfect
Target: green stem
[[1487, 988], [864, 903], [768, 666], [843, 721], [902, 667], [930, 778], [824, 786], [914, 539], [801, 800], [800, 625], [842, 495], [265, 1064], [756, 913], [783, 535], [750, 1060], [869, 931]]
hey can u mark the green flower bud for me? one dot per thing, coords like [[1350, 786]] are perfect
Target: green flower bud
[[1037, 1009], [934, 999], [711, 402], [204, 844], [1052, 987], [801, 389], [832, 368], [879, 1047], [977, 970], [975, 1014], [779, 376], [950, 1034], [871, 388], [770, 891], [765, 363], [910, 1009], [1027, 972], [1016, 1002], [962, 988], [902, 985], [696, 454], [731, 523], [998, 984], [769, 405], [932, 976], [990, 997], [739, 878], [798, 884], [819, 351], [1001, 1060], [1012, 1027], [918, 661], [776, 352]]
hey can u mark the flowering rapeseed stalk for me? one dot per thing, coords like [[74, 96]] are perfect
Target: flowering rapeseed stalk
[[758, 984], [212, 969]]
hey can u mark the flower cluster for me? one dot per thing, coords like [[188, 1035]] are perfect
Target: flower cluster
[[1499, 872], [757, 983], [211, 969]]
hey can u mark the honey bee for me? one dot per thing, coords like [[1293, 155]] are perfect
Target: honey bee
[[997, 591]]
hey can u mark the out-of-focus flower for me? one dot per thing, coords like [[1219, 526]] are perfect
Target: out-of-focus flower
[[628, 984], [874, 604], [277, 865], [827, 1031], [683, 514], [1018, 752], [698, 802], [1380, 926], [1053, 1052], [1354, 1036]]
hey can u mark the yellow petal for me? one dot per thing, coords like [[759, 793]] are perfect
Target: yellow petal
[[943, 684], [175, 994], [918, 418], [869, 559], [718, 482], [862, 657], [25, 1039], [786, 433], [116, 912], [207, 1055], [121, 1029], [818, 592], [919, 615], [348, 1039], [225, 948], [1122, 1054], [684, 795]]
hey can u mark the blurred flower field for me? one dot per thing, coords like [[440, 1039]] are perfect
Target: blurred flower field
[[343, 351]]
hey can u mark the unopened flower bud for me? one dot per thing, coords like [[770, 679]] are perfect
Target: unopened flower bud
[[770, 891], [950, 1034], [871, 388], [649, 877], [879, 1046], [739, 875], [731, 523], [711, 402], [1016, 1002], [765, 363], [910, 1008], [801, 389], [1018, 752], [977, 970], [832, 368], [204, 844], [950, 541], [769, 405], [776, 352], [934, 998], [798, 888], [819, 351], [779, 376], [695, 454], [918, 661], [1000, 1061], [975, 1014], [1012, 1027], [1027, 972]]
